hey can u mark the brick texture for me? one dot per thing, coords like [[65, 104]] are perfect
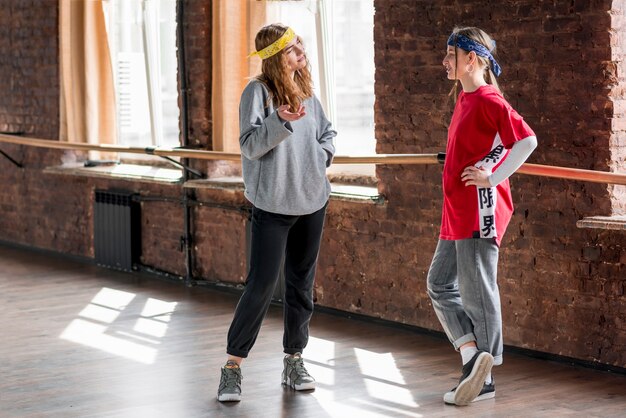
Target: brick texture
[[29, 66], [617, 74], [562, 287], [197, 38], [559, 72]]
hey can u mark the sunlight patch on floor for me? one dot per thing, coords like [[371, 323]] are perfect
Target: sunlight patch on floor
[[155, 317], [382, 377], [389, 393], [94, 335], [389, 411], [381, 366], [97, 321], [319, 359], [357, 407]]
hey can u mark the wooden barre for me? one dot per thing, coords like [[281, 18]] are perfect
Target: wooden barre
[[529, 169], [210, 155]]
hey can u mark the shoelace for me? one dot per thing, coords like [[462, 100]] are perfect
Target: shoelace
[[298, 365], [232, 379]]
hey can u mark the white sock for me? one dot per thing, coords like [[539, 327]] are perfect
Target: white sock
[[488, 379], [467, 353]]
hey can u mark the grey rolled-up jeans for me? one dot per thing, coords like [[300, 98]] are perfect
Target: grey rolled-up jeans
[[463, 287]]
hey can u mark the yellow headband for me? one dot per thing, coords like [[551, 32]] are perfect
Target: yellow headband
[[276, 47]]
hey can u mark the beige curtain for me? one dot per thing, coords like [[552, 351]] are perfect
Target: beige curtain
[[87, 90], [235, 24]]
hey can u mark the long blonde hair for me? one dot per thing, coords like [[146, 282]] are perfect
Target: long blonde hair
[[480, 36], [276, 75]]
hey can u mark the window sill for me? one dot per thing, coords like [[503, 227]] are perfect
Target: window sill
[[603, 222], [355, 193], [220, 183], [345, 192], [131, 172]]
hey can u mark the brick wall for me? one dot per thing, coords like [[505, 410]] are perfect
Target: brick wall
[[29, 75], [29, 65], [556, 281], [618, 98], [197, 34], [55, 211], [562, 287]]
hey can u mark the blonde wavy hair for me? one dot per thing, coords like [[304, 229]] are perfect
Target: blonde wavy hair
[[275, 74], [480, 36]]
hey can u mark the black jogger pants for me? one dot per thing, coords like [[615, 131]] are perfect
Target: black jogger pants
[[273, 235]]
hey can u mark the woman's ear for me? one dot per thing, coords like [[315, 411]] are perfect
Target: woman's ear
[[471, 57]]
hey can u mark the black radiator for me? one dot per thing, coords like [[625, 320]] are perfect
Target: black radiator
[[117, 233]]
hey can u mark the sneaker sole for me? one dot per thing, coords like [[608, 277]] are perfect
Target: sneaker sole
[[229, 397], [485, 396], [469, 389], [449, 399], [302, 386]]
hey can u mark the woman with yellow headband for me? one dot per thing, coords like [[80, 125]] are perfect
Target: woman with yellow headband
[[286, 145]]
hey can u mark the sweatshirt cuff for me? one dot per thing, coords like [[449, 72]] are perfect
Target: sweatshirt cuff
[[277, 123], [329, 157]]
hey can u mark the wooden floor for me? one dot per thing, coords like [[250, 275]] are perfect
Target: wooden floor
[[81, 341]]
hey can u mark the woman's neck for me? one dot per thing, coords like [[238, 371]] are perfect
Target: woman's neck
[[471, 83]]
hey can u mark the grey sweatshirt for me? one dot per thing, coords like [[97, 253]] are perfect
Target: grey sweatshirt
[[284, 163]]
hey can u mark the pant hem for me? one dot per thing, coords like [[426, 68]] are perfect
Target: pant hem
[[236, 353], [463, 340], [292, 350]]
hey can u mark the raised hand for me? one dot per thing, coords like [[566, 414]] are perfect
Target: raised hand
[[285, 114]]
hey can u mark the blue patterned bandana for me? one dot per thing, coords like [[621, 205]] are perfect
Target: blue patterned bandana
[[467, 44]]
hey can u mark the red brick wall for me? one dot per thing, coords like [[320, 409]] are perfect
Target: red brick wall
[[618, 98], [29, 75], [220, 235], [562, 287], [556, 281], [197, 38], [54, 211], [29, 68]]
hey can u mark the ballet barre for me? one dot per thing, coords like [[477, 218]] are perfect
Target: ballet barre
[[381, 159]]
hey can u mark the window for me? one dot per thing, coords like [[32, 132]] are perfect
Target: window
[[339, 37], [142, 41]]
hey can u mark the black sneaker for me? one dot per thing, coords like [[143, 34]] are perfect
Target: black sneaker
[[488, 392], [472, 379], [230, 384]]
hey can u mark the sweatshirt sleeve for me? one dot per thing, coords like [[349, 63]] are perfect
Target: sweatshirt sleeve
[[326, 134], [259, 134]]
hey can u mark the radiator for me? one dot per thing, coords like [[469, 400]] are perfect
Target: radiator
[[117, 233]]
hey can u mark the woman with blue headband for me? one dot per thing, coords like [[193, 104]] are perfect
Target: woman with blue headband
[[286, 145], [487, 142]]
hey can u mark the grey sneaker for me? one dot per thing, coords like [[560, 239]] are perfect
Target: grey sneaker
[[230, 385], [295, 374]]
